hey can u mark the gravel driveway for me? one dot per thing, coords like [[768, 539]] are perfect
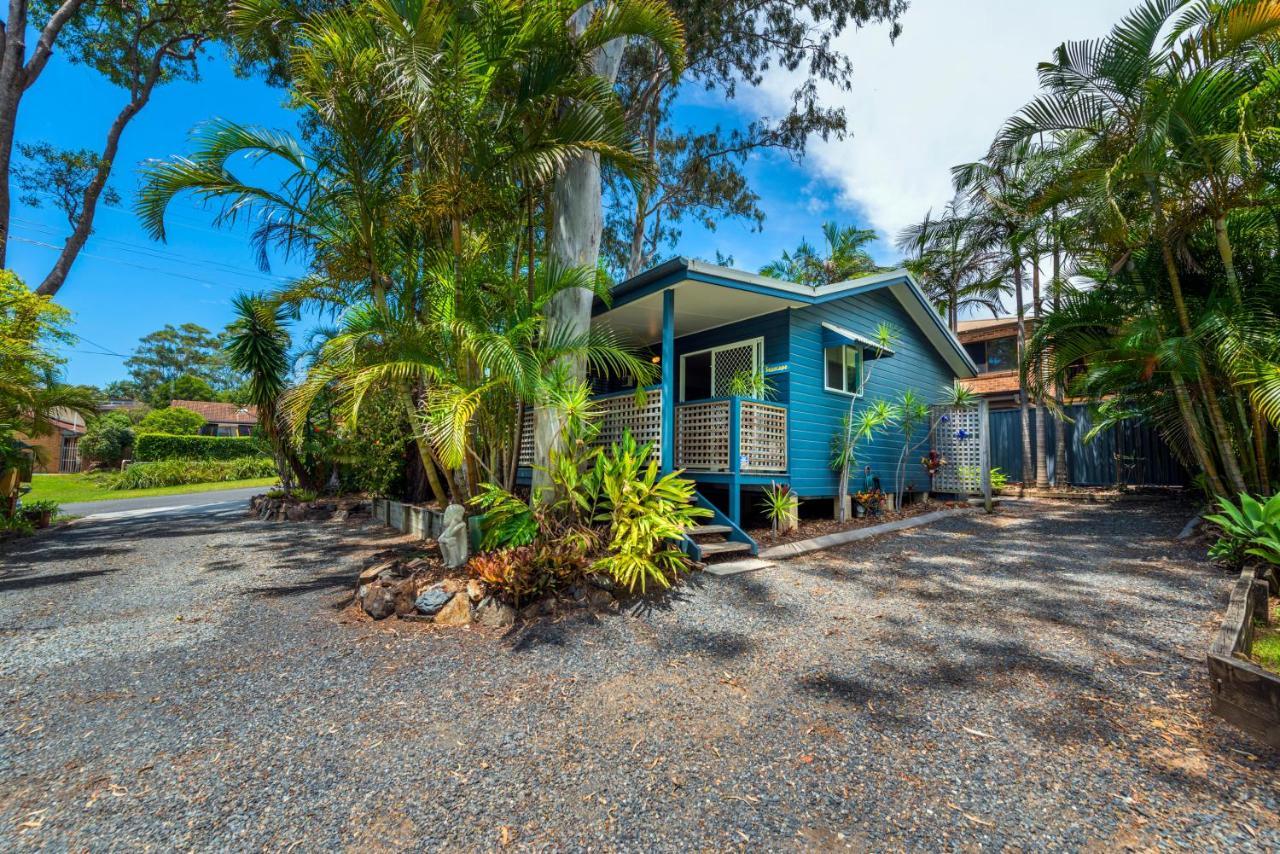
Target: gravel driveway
[[1033, 679]]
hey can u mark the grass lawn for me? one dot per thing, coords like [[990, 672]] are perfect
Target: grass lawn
[[70, 488]]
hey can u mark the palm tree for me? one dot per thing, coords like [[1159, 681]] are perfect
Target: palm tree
[[1129, 95], [958, 270], [844, 258]]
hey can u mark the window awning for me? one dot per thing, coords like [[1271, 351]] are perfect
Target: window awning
[[835, 336]]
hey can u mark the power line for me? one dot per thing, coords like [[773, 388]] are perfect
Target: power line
[[126, 263], [155, 254]]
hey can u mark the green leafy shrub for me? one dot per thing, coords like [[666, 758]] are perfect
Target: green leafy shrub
[[611, 512], [40, 505], [151, 447], [508, 521], [181, 472], [1250, 530], [174, 421], [107, 439], [645, 514]]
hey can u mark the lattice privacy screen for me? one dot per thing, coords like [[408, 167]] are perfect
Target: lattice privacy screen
[[960, 435], [728, 362], [617, 415], [702, 436], [762, 437]]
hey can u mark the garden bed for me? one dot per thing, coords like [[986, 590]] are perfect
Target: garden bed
[[1244, 693], [810, 528]]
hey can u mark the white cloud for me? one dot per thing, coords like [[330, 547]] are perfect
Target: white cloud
[[935, 98]]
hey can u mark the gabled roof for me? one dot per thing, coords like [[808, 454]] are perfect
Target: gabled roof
[[219, 413], [761, 295]]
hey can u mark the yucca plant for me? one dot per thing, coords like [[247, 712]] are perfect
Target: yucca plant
[[779, 504]]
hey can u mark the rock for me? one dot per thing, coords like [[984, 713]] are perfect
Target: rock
[[475, 590], [296, 512], [456, 613], [374, 572], [339, 516], [453, 585], [453, 537], [604, 582], [597, 599], [379, 600], [494, 614], [432, 600], [406, 599]]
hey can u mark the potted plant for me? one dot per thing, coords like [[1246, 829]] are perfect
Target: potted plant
[[40, 512], [869, 502]]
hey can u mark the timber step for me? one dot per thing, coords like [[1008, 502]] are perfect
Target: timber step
[[700, 530], [726, 547]]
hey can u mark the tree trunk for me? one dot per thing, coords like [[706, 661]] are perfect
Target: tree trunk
[[636, 255], [15, 79], [1061, 477], [577, 222], [1217, 423], [1254, 421], [1028, 469], [424, 451], [1042, 452]]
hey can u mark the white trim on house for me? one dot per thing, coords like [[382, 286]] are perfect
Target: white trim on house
[[861, 339]]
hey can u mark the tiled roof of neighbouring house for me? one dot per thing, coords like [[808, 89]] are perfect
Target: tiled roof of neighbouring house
[[220, 413]]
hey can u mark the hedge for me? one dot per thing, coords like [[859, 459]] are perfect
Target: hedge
[[180, 472], [150, 447]]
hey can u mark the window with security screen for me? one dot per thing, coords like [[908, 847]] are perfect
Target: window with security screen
[[709, 373]]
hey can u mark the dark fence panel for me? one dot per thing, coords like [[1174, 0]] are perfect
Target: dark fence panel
[[1134, 447]]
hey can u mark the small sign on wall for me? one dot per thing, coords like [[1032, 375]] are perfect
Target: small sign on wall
[[776, 369]]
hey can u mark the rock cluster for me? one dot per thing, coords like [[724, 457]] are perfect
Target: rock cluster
[[286, 508], [401, 589]]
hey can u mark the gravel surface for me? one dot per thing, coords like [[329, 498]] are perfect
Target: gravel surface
[[1033, 679]]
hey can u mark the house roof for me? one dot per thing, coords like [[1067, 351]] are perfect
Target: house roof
[[220, 413], [710, 295]]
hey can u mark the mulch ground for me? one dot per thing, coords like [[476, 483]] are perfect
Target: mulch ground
[[1029, 680]]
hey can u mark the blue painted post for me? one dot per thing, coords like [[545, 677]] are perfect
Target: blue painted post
[[735, 460], [668, 380]]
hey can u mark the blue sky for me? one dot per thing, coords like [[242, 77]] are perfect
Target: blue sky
[[933, 99]]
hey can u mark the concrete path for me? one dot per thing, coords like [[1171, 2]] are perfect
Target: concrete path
[[161, 503]]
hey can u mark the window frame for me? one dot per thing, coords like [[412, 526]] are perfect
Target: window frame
[[862, 370], [756, 343]]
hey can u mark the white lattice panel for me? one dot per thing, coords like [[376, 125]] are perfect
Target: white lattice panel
[[702, 436], [617, 415], [959, 436], [762, 437], [620, 414], [526, 438]]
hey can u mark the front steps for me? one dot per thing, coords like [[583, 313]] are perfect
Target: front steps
[[713, 541]]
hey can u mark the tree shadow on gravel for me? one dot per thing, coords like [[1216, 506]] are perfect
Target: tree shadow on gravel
[[30, 580]]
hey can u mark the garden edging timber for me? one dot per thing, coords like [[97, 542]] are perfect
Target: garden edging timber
[[1244, 694], [839, 538]]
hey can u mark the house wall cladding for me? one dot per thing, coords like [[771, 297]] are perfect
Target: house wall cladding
[[1147, 460], [816, 413]]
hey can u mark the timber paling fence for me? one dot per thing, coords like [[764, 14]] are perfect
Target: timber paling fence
[[1130, 453]]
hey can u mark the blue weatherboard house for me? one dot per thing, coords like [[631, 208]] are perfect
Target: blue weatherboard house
[[712, 329]]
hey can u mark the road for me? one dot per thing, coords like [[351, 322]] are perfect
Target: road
[[157, 503]]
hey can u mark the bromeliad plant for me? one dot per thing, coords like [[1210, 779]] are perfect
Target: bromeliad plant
[[1250, 530]]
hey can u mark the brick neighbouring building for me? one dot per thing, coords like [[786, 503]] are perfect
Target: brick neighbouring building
[[221, 419], [993, 345], [59, 452]]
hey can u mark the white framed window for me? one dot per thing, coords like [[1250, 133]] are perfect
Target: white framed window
[[842, 369], [707, 373]]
